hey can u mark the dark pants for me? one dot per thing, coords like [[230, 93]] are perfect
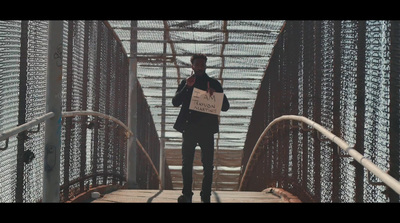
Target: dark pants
[[191, 137]]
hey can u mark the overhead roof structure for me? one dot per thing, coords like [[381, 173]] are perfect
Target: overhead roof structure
[[238, 52]]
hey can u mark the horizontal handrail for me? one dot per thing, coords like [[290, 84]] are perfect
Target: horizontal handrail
[[15, 130], [130, 133], [385, 177]]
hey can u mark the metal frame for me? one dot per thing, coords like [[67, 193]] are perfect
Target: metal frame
[[51, 175], [132, 109]]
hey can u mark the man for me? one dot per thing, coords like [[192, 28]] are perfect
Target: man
[[197, 128]]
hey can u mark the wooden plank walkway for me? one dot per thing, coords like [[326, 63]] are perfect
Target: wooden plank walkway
[[223, 179], [170, 196]]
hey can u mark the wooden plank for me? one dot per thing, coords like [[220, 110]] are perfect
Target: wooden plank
[[220, 186], [222, 180], [227, 178], [170, 196], [232, 175], [229, 158]]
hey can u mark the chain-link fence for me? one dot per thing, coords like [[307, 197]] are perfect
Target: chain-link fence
[[345, 76], [95, 77]]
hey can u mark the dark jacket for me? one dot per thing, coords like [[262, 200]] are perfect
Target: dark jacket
[[202, 121]]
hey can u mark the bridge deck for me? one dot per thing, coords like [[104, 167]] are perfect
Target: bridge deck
[[170, 196]]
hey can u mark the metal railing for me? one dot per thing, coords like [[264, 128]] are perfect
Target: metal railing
[[128, 134], [263, 139], [5, 135]]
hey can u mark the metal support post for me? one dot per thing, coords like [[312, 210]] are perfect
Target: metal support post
[[132, 110], [163, 104], [51, 173], [360, 121], [22, 111], [336, 180], [394, 107]]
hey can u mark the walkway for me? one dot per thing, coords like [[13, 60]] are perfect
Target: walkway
[[170, 196], [314, 109]]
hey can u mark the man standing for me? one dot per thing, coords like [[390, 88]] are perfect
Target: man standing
[[197, 128]]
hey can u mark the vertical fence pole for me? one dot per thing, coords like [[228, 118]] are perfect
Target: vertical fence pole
[[293, 60], [107, 107], [359, 169], [132, 109], [163, 103], [68, 107], [83, 129], [307, 80], [336, 110], [394, 107], [19, 189], [51, 173], [96, 102], [317, 107]]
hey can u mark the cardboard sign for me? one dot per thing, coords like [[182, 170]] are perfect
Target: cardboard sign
[[202, 101]]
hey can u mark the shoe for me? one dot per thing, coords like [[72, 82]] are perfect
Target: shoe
[[184, 199], [205, 199]]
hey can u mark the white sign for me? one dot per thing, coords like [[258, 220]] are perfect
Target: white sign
[[204, 102]]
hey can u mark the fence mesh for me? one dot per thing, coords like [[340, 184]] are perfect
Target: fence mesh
[[95, 77], [343, 75], [9, 67]]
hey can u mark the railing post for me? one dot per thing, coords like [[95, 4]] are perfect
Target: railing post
[[132, 110], [336, 182], [51, 173], [360, 120]]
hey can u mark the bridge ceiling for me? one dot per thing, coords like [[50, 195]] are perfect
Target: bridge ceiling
[[238, 53]]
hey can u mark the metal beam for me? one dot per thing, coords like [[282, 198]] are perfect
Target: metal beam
[[208, 67], [52, 141], [225, 78], [158, 55], [267, 31], [132, 111], [168, 39], [171, 96], [163, 104], [231, 107], [225, 88], [202, 42], [226, 39]]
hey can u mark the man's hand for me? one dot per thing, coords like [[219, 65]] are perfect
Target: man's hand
[[209, 89], [191, 80]]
